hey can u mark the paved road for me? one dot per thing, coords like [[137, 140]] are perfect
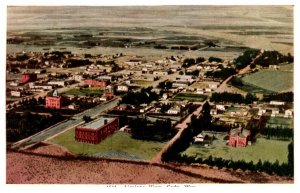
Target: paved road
[[71, 123]]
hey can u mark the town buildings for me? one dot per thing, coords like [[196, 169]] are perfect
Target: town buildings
[[97, 130], [239, 137], [28, 77], [54, 101]]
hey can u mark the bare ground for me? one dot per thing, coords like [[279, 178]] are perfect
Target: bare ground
[[49, 164]]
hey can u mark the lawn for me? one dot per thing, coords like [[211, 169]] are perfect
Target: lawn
[[190, 97], [144, 83], [118, 145], [271, 80], [264, 149], [84, 92], [275, 122]]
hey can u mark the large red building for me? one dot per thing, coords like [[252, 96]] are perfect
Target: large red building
[[28, 77], [239, 137], [97, 130], [54, 101], [91, 82]]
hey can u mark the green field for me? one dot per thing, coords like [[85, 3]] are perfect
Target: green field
[[271, 80], [84, 92], [264, 149], [118, 145], [190, 97], [144, 83], [275, 122]]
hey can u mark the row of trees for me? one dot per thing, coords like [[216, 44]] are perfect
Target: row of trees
[[284, 169], [222, 73], [233, 97], [20, 126], [278, 133], [286, 96], [191, 61], [145, 96], [161, 130]]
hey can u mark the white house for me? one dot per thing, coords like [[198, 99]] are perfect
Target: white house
[[16, 93], [122, 88], [288, 113], [277, 103], [220, 107], [173, 111]]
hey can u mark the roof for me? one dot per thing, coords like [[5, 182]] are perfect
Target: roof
[[240, 132], [96, 124]]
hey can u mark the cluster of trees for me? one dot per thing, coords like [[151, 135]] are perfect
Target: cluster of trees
[[273, 57], [233, 97], [72, 63], [191, 61], [222, 74], [215, 59], [22, 57], [20, 126], [159, 46], [193, 73], [278, 133], [160, 130], [166, 85], [145, 96], [245, 59], [286, 96]]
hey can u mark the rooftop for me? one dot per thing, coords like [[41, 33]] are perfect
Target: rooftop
[[96, 124]]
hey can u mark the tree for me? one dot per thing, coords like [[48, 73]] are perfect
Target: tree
[[206, 115], [181, 73], [86, 118], [41, 101]]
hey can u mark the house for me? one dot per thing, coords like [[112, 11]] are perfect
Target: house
[[199, 138], [277, 103], [57, 83], [288, 113], [16, 93], [239, 137], [173, 111], [161, 73], [77, 77], [220, 107], [213, 111], [275, 111], [122, 88], [261, 112]]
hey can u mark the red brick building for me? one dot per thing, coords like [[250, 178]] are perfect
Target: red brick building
[[28, 77], [97, 130], [239, 137], [54, 101], [95, 83]]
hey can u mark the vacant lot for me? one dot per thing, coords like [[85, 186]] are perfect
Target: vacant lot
[[271, 80], [264, 149], [275, 122], [118, 145], [190, 97], [84, 92]]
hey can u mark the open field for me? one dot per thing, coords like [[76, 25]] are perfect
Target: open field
[[272, 80], [35, 169], [264, 149], [275, 122], [84, 92], [118, 145], [190, 97]]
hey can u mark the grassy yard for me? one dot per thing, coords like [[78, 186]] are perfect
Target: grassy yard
[[118, 145], [84, 92], [190, 97], [272, 80], [263, 149]]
